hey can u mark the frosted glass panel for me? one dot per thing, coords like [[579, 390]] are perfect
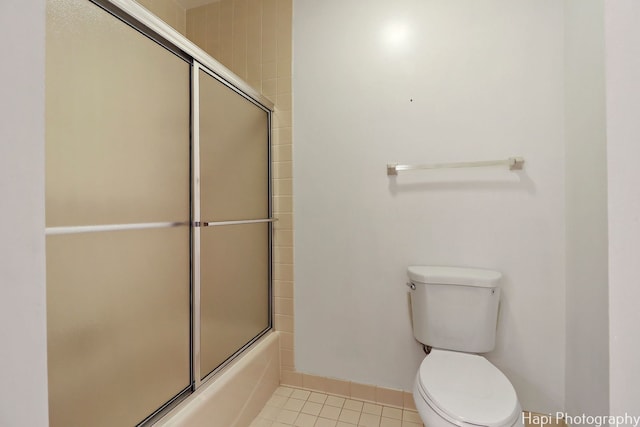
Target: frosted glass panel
[[118, 324], [118, 123], [117, 151], [234, 289], [234, 151]]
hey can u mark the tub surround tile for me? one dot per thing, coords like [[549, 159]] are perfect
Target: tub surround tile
[[269, 70], [283, 289], [270, 88], [284, 306], [283, 68], [284, 272], [283, 323], [286, 339], [286, 358]]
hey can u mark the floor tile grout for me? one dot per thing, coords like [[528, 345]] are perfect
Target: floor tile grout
[[291, 406]]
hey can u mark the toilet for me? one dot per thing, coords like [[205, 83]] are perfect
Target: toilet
[[455, 313]]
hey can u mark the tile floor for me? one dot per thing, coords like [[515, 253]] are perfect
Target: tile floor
[[304, 408]]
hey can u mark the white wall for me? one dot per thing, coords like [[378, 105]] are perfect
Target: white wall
[[587, 311], [622, 40], [473, 81], [23, 363]]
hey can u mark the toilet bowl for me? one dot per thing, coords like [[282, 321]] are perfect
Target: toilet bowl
[[455, 311], [461, 389]]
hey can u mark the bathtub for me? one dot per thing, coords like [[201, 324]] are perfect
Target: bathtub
[[235, 395]]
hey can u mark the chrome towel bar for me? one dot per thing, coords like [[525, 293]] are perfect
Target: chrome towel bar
[[514, 163]]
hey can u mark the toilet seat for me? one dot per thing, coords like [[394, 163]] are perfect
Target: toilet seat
[[467, 389]]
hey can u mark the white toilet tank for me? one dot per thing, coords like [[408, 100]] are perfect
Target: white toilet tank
[[455, 308]]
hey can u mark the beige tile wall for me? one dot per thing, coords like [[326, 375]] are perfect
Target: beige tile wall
[[170, 11], [250, 37]]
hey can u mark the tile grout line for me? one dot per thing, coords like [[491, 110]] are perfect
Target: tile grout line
[[286, 407]]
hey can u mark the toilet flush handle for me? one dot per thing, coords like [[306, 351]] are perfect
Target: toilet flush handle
[[411, 285]]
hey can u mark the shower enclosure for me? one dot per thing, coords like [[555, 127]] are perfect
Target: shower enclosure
[[158, 215]]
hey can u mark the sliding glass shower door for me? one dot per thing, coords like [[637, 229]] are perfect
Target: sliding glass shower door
[[117, 216], [234, 212], [157, 214]]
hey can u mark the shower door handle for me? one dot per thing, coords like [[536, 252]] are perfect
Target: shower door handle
[[239, 222]]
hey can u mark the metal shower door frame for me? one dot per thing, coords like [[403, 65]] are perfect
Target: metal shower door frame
[[139, 18]]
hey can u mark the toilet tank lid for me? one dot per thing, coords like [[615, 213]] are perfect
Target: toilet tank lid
[[454, 276]]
